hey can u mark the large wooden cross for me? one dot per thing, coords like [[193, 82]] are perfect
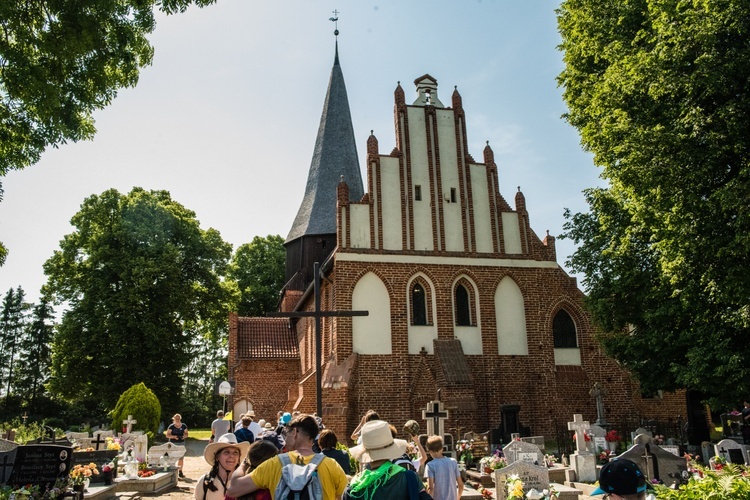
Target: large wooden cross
[[98, 441], [318, 314]]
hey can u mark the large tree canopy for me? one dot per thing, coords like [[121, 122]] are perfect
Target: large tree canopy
[[137, 275], [660, 92], [258, 269], [61, 60]]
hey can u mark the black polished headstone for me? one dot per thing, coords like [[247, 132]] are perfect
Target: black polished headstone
[[40, 464]]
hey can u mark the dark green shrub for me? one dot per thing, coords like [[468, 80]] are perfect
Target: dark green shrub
[[140, 402]]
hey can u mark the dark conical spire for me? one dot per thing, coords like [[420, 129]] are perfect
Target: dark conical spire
[[335, 155]]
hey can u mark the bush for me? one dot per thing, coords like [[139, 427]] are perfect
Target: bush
[[140, 402], [729, 483]]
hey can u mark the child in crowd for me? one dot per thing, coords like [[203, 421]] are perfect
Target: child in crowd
[[443, 477], [259, 452]]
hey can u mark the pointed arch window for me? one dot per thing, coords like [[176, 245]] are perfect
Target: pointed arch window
[[418, 305], [463, 306], [564, 330]]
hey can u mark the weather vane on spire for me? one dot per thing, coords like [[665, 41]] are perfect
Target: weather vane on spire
[[335, 20]]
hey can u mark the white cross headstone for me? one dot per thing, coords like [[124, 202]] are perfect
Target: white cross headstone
[[580, 426], [436, 416], [129, 423]]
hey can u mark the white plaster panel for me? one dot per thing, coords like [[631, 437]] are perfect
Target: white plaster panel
[[422, 336], [511, 233], [511, 319], [420, 176], [371, 334], [390, 202], [482, 218], [452, 212], [470, 337], [360, 226], [568, 356]]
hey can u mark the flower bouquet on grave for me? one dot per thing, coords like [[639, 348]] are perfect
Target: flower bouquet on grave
[[514, 487], [81, 475], [550, 460], [464, 450], [604, 456], [493, 462]]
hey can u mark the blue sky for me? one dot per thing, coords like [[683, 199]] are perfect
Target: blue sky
[[226, 117]]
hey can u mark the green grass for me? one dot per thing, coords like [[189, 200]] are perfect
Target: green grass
[[199, 433]]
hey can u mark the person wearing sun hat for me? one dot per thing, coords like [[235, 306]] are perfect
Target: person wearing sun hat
[[621, 479], [383, 479], [224, 456]]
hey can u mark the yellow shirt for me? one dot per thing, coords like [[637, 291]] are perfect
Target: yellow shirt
[[332, 477]]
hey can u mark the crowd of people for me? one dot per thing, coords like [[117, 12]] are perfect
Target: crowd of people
[[269, 461], [299, 454]]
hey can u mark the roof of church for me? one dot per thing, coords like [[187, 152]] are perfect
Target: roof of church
[[266, 338], [335, 155]]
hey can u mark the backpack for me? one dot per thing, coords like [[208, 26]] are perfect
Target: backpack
[[299, 482]]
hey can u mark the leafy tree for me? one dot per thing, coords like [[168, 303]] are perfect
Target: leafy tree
[[60, 61], [659, 91], [35, 353], [258, 269], [140, 402], [137, 274], [12, 325]]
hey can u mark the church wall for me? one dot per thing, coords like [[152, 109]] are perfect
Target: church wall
[[359, 230], [511, 233], [264, 383], [481, 205], [390, 186], [447, 162], [547, 393], [420, 176]]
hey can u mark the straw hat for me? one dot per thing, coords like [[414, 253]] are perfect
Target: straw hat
[[378, 443], [225, 441]]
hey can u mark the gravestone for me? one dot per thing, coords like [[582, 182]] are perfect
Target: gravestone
[[7, 458], [40, 464], [707, 451], [598, 438], [643, 439], [640, 430], [104, 434], [731, 426], [128, 422], [99, 458], [172, 451], [75, 436], [599, 392], [673, 449], [524, 452], [533, 477], [435, 414], [140, 448], [656, 463], [731, 450], [448, 446], [582, 461], [537, 440], [6, 445], [480, 444]]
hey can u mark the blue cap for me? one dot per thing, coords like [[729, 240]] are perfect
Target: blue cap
[[621, 477], [286, 418]]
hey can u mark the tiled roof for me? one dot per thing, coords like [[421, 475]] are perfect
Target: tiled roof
[[269, 338], [452, 361]]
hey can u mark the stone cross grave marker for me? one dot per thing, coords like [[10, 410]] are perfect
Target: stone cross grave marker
[[580, 426], [6, 465], [656, 463], [129, 423], [436, 415], [533, 476], [519, 451]]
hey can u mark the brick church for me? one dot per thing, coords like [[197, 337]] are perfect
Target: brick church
[[465, 302]]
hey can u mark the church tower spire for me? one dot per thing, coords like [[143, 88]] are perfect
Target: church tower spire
[[313, 233]]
